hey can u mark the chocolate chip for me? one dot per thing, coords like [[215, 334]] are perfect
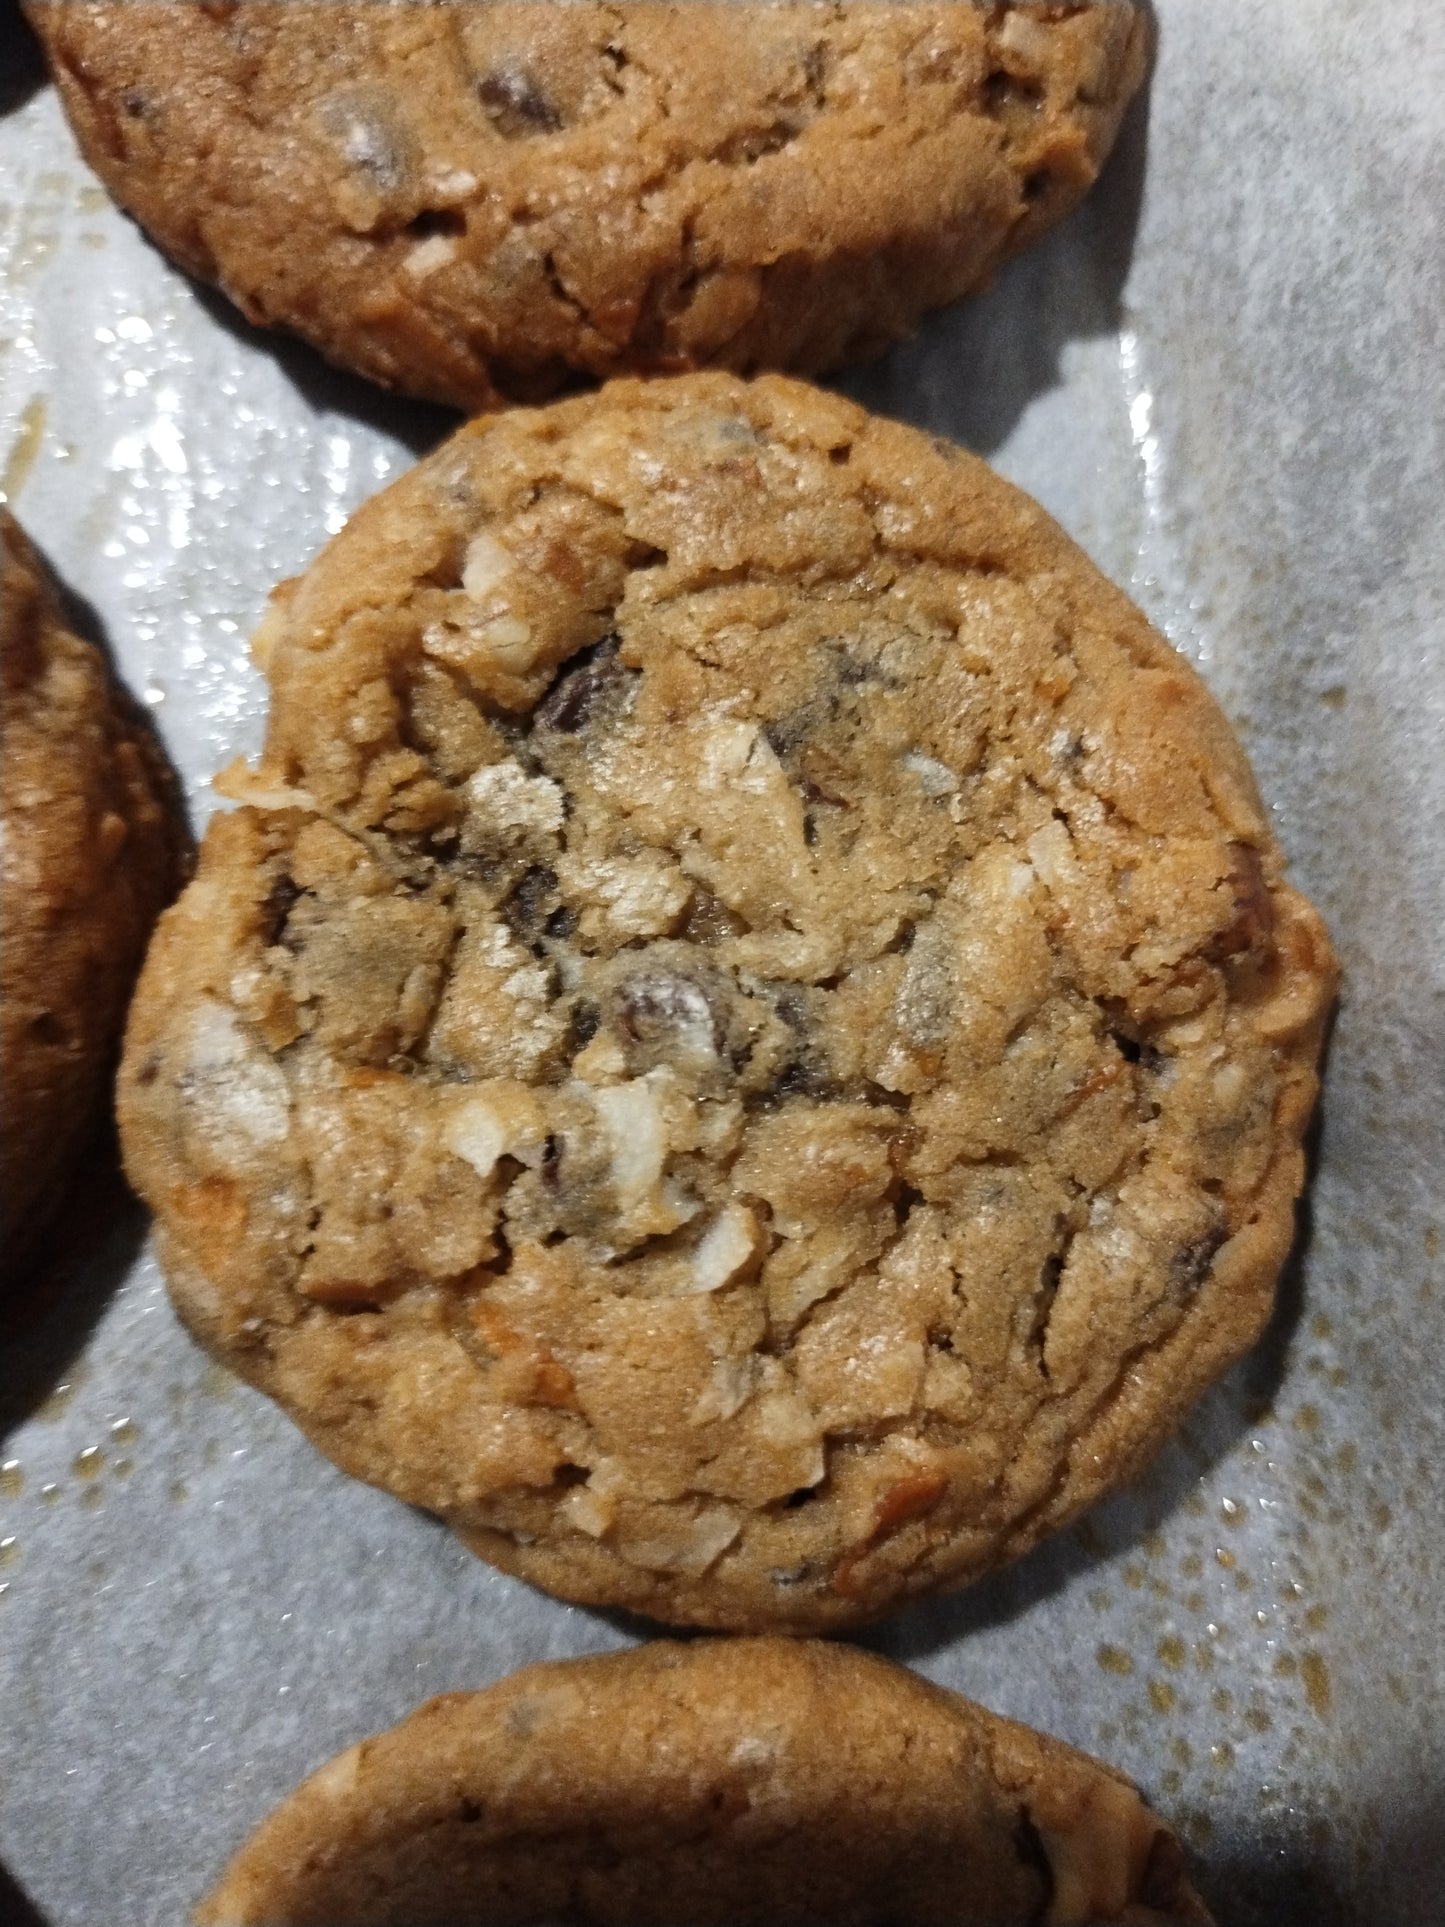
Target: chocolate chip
[[802, 1074], [515, 104], [527, 907], [799, 1079], [709, 920], [854, 674], [561, 923], [789, 1003], [1189, 1267], [586, 1021], [662, 1009], [569, 704], [785, 733]]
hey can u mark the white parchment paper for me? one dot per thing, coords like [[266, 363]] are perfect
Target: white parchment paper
[[1224, 376]]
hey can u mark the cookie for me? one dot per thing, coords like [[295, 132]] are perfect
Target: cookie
[[473, 202], [723, 1783], [750, 1046], [94, 846]]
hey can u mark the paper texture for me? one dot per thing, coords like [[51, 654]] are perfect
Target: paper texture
[[1224, 376]]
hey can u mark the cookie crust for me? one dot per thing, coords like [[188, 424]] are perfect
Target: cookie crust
[[472, 202], [714, 1784], [750, 1047], [94, 847]]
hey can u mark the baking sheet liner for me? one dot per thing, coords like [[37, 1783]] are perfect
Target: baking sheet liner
[[1224, 377]]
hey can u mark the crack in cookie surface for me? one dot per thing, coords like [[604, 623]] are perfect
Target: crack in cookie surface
[[772, 1031]]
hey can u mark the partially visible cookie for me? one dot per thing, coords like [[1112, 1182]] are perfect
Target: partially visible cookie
[[747, 1783], [752, 1048], [475, 201], [94, 847]]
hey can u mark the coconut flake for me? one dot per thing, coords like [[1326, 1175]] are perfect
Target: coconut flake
[[729, 1244], [935, 778], [488, 563], [512, 799]]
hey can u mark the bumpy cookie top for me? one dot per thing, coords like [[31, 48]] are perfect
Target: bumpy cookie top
[[473, 200], [751, 1050], [747, 1783], [94, 845]]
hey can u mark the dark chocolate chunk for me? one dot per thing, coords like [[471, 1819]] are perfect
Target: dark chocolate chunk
[[585, 1022], [515, 104], [1189, 1267], [653, 1004], [528, 907], [569, 704]]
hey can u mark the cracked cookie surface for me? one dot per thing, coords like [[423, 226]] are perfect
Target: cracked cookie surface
[[714, 1784], [473, 202], [749, 1047], [94, 845]]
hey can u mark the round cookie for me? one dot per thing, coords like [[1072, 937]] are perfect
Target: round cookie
[[751, 1047], [94, 846], [472, 202], [739, 1783]]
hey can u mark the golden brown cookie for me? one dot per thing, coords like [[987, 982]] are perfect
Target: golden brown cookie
[[738, 1783], [94, 846], [751, 1048], [472, 201]]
